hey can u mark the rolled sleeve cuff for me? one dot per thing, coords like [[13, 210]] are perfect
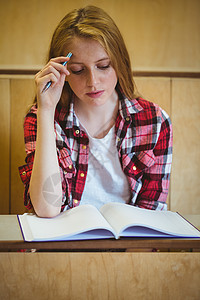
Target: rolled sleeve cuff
[[25, 172]]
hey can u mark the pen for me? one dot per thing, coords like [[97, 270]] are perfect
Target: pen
[[47, 86]]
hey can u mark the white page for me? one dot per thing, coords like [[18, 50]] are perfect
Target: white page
[[68, 223], [139, 231], [122, 215]]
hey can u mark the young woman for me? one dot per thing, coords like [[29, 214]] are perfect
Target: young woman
[[96, 140]]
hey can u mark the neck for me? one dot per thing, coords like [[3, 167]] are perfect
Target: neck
[[97, 119]]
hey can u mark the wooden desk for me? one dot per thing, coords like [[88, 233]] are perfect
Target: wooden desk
[[97, 275], [11, 240]]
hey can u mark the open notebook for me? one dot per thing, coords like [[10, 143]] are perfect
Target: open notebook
[[113, 220]]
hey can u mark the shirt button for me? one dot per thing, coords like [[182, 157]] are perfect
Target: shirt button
[[77, 131], [70, 167], [118, 139], [134, 168], [24, 173], [83, 147], [82, 174], [75, 201], [127, 119]]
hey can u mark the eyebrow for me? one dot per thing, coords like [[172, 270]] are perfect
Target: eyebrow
[[80, 63]]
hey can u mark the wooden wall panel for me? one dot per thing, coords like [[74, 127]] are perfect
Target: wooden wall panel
[[185, 183], [22, 95], [155, 89], [4, 145], [160, 35], [106, 276]]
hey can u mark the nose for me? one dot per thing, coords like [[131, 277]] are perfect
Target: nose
[[92, 78]]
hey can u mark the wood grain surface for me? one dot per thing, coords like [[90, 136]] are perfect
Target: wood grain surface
[[100, 276]]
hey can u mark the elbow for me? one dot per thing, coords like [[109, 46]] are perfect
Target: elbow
[[44, 208], [48, 213]]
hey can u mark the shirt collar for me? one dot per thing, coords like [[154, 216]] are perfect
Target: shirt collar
[[126, 109], [67, 116]]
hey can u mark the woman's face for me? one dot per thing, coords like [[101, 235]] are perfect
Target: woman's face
[[92, 78]]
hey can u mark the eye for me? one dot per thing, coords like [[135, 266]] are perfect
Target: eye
[[103, 67], [77, 72]]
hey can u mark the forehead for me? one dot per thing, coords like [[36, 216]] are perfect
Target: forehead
[[86, 49]]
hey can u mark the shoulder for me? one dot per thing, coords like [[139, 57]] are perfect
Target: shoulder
[[149, 111], [32, 110], [146, 105], [31, 116]]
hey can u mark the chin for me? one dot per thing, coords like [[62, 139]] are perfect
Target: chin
[[97, 102]]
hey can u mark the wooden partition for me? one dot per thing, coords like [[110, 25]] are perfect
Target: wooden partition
[[101, 276], [185, 182], [21, 97], [178, 96], [4, 145], [161, 35]]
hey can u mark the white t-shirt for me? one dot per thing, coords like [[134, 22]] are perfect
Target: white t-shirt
[[105, 182]]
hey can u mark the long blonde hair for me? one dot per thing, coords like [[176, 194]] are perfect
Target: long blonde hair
[[93, 22]]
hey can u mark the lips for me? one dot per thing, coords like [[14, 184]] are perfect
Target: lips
[[95, 94]]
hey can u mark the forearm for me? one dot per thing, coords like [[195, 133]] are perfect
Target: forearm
[[45, 184]]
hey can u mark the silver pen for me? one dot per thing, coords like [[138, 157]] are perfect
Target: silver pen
[[47, 86]]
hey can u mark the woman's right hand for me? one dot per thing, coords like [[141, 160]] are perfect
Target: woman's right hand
[[55, 72]]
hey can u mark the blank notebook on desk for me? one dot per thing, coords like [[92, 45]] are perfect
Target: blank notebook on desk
[[113, 220]]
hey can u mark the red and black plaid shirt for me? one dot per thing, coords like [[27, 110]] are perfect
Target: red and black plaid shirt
[[143, 140]]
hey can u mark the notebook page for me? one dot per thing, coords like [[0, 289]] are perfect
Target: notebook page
[[68, 223], [121, 215]]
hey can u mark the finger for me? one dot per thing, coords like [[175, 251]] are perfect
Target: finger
[[42, 81], [50, 70], [58, 67], [60, 59], [57, 64], [49, 74], [38, 74]]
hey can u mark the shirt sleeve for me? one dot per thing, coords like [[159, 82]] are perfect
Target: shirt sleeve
[[25, 171], [155, 179]]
